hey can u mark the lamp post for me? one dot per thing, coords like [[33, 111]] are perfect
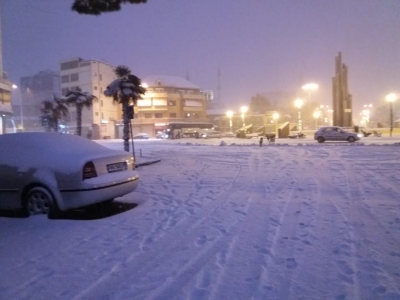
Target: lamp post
[[299, 103], [365, 114], [243, 111], [391, 98], [15, 87], [310, 87], [229, 114], [275, 117], [316, 115]]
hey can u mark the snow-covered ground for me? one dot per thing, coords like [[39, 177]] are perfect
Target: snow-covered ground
[[289, 221]]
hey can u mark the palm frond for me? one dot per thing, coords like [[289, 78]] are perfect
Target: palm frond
[[122, 71]]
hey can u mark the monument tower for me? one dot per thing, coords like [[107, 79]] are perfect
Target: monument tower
[[341, 99]]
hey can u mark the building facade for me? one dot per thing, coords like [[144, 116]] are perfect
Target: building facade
[[91, 76], [6, 124], [167, 99], [28, 97]]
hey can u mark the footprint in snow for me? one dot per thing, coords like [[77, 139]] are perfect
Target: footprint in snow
[[201, 240], [241, 212], [291, 263]]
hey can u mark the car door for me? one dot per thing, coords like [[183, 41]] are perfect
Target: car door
[[341, 135], [329, 134], [11, 182], [337, 134]]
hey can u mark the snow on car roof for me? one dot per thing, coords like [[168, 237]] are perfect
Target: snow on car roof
[[30, 149]]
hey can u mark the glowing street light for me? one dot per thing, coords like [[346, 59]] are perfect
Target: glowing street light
[[229, 114], [316, 115], [310, 87], [391, 98], [275, 117], [243, 111], [299, 103], [365, 114]]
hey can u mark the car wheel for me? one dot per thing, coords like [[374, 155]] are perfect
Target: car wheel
[[351, 139], [39, 201], [320, 139]]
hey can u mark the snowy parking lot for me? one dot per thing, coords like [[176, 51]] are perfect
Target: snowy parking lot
[[285, 221]]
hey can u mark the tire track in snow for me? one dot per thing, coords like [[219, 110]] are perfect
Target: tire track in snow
[[280, 264], [189, 226], [170, 213], [369, 254]]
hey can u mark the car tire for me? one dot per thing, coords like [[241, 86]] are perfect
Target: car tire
[[351, 139], [320, 139], [39, 200]]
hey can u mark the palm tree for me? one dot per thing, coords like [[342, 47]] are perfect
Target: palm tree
[[79, 99], [52, 112], [126, 90], [46, 110]]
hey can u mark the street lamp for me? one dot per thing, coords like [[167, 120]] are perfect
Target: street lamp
[[275, 117], [243, 111], [391, 98], [15, 87], [299, 103], [365, 114], [316, 115], [229, 114], [310, 87]]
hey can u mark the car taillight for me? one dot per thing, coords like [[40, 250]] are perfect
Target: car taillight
[[89, 171]]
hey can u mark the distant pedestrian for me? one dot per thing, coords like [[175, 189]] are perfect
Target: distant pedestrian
[[261, 141]]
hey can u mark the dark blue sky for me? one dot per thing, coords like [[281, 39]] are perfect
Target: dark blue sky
[[260, 45]]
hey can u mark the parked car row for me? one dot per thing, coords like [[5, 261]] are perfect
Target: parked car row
[[326, 133]]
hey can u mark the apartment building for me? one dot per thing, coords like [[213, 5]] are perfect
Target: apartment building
[[92, 76], [167, 99], [6, 125], [5, 96], [28, 96]]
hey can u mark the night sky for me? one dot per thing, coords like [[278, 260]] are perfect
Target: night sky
[[260, 46]]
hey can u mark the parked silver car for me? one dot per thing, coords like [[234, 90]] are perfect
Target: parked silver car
[[141, 136], [335, 133], [46, 172]]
